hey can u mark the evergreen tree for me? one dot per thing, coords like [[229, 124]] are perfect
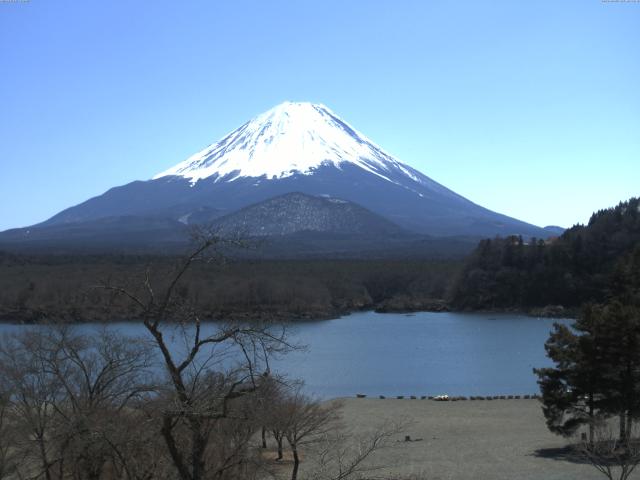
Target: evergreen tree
[[570, 391], [585, 264], [597, 370], [618, 338]]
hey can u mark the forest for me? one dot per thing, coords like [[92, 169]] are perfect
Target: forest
[[588, 263], [48, 287]]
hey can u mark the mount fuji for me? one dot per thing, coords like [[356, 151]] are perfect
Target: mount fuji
[[294, 147]]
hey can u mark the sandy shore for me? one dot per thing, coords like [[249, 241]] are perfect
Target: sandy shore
[[480, 440]]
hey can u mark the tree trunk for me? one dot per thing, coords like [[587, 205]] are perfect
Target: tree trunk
[[279, 440], [591, 419], [174, 451], [264, 437], [296, 463], [43, 457], [197, 452], [623, 425]]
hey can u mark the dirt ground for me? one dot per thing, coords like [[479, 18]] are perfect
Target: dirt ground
[[480, 440]]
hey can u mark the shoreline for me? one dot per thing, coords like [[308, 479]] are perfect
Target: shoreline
[[39, 318], [443, 397]]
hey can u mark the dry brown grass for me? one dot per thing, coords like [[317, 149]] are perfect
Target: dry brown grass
[[475, 440]]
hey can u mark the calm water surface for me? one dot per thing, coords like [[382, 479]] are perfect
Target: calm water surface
[[417, 354]]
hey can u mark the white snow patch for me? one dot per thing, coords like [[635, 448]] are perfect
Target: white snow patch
[[291, 138]]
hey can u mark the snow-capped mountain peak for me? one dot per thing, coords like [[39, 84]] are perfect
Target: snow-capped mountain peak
[[291, 138], [294, 147]]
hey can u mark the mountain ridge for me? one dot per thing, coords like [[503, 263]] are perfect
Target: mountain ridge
[[289, 226], [297, 147]]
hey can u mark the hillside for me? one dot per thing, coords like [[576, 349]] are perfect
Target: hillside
[[587, 263], [296, 212], [293, 225]]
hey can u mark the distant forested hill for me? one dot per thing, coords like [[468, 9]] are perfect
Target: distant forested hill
[[42, 288], [588, 263]]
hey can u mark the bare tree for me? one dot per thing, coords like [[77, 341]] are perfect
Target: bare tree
[[69, 395], [277, 425], [334, 452], [101, 375], [7, 453], [136, 450], [305, 421], [612, 456], [345, 456], [270, 396], [273, 413], [217, 365], [33, 393]]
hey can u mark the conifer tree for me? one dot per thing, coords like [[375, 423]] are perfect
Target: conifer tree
[[597, 370], [570, 391]]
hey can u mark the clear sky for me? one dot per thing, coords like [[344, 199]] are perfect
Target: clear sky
[[530, 108]]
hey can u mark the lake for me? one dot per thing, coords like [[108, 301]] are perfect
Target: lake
[[424, 353]]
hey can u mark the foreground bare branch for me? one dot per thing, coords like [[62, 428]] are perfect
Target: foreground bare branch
[[615, 458]]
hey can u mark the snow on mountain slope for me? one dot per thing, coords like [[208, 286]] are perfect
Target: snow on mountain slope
[[291, 138], [296, 147]]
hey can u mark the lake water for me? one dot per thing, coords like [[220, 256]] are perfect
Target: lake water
[[412, 354]]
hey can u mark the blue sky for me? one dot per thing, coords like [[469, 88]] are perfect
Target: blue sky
[[531, 109]]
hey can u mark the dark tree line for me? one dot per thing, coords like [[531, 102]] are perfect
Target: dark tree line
[[35, 288], [590, 263]]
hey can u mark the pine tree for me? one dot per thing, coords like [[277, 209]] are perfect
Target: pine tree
[[618, 338], [570, 391], [597, 371]]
